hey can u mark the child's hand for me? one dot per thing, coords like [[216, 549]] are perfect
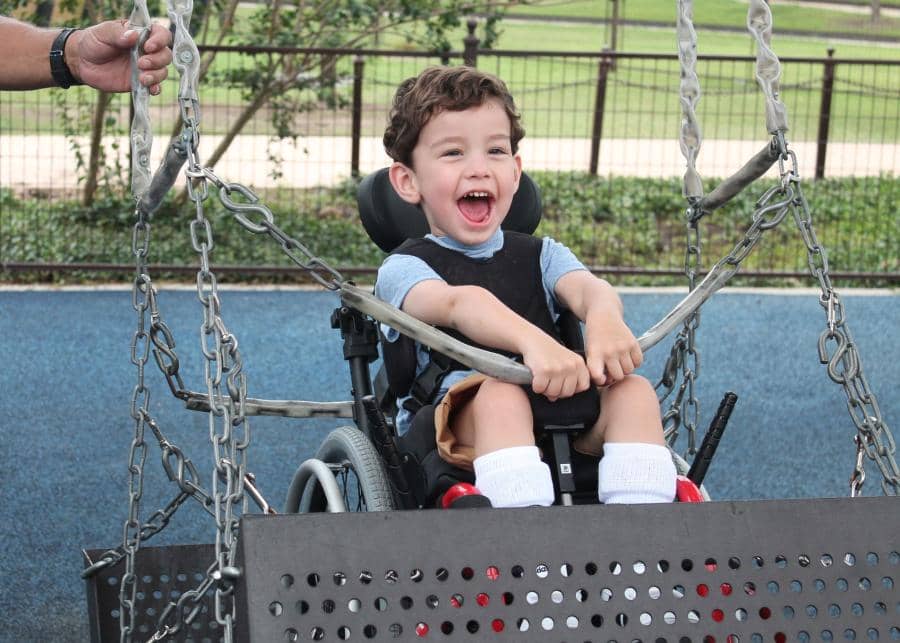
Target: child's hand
[[612, 350], [558, 372]]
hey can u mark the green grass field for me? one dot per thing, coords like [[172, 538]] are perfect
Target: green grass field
[[556, 95], [728, 13]]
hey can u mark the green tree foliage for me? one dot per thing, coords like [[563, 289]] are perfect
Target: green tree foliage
[[289, 83]]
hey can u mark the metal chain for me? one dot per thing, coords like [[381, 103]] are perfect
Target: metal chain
[[142, 293], [837, 351], [228, 427], [685, 356], [176, 609], [229, 430], [317, 267], [771, 208]]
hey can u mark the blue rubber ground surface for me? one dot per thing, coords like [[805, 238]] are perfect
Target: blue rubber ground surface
[[67, 378]]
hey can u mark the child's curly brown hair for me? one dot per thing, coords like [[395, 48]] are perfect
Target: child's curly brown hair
[[436, 89]]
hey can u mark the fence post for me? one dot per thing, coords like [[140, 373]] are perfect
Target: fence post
[[599, 103], [825, 114], [356, 134], [470, 44], [328, 78]]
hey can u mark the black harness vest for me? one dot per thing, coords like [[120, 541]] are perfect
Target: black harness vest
[[513, 275]]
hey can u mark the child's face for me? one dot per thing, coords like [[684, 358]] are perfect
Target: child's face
[[465, 173]]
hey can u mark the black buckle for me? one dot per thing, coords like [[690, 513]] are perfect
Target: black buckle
[[426, 385]]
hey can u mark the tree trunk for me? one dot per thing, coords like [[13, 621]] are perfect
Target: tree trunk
[[96, 150]]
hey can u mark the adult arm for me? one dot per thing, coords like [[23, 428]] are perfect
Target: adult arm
[[480, 316], [611, 349], [98, 56]]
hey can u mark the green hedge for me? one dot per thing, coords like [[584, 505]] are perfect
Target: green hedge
[[625, 222]]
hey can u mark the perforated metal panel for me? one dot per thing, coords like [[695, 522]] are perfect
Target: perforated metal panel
[[164, 574], [719, 571]]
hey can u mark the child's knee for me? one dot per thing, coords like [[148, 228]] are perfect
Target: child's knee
[[496, 395], [502, 416], [634, 387]]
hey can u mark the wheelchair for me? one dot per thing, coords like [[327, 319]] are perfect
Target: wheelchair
[[369, 467]]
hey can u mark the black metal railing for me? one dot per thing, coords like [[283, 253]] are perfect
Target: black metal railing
[[601, 141]]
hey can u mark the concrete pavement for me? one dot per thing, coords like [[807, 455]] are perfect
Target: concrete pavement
[[30, 164]]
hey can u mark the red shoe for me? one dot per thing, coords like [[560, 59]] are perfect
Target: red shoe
[[462, 495], [687, 491]]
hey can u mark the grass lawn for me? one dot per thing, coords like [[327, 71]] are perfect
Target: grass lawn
[[730, 13], [556, 94]]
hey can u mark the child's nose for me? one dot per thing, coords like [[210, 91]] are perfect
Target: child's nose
[[478, 165]]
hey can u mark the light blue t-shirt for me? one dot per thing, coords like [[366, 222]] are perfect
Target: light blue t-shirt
[[399, 273]]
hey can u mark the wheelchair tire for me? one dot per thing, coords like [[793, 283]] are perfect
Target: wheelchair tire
[[358, 470]]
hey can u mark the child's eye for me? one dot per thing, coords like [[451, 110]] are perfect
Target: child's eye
[[498, 150], [451, 153]]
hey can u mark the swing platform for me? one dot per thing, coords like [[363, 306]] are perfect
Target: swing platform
[[768, 570]]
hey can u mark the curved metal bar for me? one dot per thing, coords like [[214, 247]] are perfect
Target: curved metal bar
[[164, 179], [733, 185], [319, 470], [714, 280], [492, 364], [504, 368], [281, 408]]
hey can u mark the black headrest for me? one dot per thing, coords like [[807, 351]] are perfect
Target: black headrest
[[389, 220]]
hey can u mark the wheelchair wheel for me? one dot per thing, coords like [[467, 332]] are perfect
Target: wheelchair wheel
[[357, 470]]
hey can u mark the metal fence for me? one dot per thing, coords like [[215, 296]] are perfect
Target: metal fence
[[601, 141]]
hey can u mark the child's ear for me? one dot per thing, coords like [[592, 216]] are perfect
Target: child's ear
[[518, 160], [404, 181]]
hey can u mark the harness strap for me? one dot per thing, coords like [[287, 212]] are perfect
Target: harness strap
[[427, 383]]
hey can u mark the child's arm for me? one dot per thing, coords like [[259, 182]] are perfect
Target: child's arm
[[611, 349], [480, 316]]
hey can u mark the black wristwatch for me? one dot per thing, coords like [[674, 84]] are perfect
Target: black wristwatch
[[58, 67]]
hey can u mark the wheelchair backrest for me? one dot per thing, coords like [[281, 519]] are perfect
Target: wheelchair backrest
[[389, 220]]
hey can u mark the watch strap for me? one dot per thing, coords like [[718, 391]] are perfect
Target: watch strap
[[60, 71]]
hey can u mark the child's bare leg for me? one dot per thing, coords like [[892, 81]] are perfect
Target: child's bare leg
[[636, 466], [498, 423], [629, 412]]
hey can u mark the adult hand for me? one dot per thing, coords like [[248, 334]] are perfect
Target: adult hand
[[100, 56]]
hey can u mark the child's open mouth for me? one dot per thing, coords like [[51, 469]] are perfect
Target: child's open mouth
[[475, 206]]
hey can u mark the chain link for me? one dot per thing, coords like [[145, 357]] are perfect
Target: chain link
[[318, 269], [684, 409], [229, 430], [837, 351]]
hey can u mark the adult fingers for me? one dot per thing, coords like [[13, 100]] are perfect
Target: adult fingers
[[160, 39], [155, 77], [156, 60]]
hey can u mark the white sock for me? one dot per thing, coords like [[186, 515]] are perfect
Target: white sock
[[514, 477], [635, 472]]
